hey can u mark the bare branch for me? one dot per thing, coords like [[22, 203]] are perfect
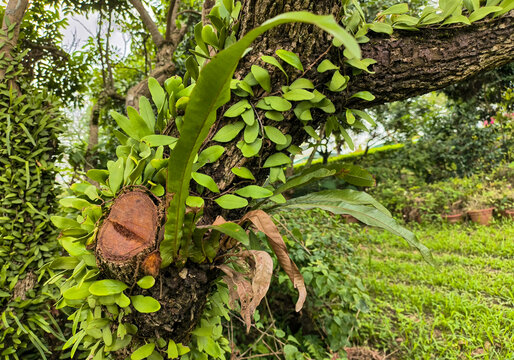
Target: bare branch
[[171, 16], [150, 25]]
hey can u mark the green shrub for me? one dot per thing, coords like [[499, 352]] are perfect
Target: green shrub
[[29, 124]]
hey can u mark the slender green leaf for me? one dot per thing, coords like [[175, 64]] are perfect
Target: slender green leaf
[[272, 61], [367, 214]]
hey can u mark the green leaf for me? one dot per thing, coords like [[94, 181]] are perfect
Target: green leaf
[[248, 117], [274, 115], [275, 135], [350, 118], [206, 181], [482, 12], [359, 177], [122, 300], [229, 132], [262, 77], [381, 28], [134, 126], [192, 67], [143, 352], [346, 137], [272, 61], [313, 173], [361, 64], [233, 230], [64, 223], [506, 5], [77, 292], [209, 36], [251, 133], [116, 170], [100, 176], [328, 200], [326, 65], [158, 95], [312, 133], [395, 10], [301, 83], [146, 282], [75, 203], [107, 287], [277, 159], [159, 140], [195, 202], [251, 149], [230, 201], [210, 92], [278, 103], [338, 82], [290, 58], [146, 111], [238, 108], [243, 172], [364, 115], [254, 192], [172, 350], [298, 95], [211, 154], [457, 19], [145, 304]]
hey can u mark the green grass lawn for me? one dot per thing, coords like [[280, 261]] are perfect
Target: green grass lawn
[[461, 308]]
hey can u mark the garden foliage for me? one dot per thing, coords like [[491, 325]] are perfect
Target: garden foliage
[[29, 128]]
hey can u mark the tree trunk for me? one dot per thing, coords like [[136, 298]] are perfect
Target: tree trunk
[[14, 12]]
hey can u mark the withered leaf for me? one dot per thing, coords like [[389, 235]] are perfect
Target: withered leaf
[[264, 223], [250, 294]]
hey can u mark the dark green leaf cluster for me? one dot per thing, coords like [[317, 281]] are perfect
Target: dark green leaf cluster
[[29, 128]]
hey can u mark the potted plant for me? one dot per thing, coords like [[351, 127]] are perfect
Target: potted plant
[[448, 202], [453, 213], [479, 208], [504, 199]]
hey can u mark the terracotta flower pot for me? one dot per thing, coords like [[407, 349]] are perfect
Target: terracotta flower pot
[[482, 216], [509, 213], [453, 218], [349, 219]]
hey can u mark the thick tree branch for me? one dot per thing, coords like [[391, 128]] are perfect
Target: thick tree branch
[[414, 63], [408, 64], [150, 25]]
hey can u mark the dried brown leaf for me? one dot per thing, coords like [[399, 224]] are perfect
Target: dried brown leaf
[[261, 279], [249, 294], [219, 220], [264, 223], [239, 289]]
